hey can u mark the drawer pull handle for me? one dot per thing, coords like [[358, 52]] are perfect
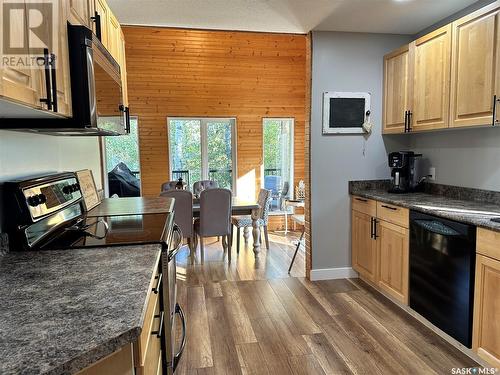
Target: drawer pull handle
[[390, 208], [156, 290], [362, 200], [160, 326]]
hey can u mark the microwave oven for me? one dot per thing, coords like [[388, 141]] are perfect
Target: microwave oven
[[96, 91]]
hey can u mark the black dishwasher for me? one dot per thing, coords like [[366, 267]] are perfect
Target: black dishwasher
[[442, 259]]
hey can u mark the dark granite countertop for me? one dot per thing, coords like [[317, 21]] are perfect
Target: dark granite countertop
[[64, 310], [473, 211]]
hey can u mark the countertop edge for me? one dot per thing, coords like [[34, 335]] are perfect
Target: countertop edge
[[442, 214]]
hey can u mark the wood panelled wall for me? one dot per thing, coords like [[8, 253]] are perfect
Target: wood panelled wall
[[179, 72]]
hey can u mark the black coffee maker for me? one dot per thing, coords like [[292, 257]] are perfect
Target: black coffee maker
[[403, 166]]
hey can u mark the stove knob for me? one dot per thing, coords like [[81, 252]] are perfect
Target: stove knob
[[42, 198], [34, 200], [67, 189]]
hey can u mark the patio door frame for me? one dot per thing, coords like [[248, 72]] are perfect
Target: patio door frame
[[204, 145]]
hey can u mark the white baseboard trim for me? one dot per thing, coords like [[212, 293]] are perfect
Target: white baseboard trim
[[333, 273]]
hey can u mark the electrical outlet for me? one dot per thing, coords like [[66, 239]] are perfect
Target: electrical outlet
[[432, 173]]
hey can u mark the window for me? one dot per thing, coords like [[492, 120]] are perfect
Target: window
[[278, 160], [121, 158], [203, 149]]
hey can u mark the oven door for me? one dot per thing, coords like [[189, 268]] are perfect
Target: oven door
[[176, 321]]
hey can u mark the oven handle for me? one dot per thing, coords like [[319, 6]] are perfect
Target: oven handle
[[178, 246], [177, 357]]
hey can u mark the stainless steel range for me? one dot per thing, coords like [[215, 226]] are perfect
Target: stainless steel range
[[47, 213]]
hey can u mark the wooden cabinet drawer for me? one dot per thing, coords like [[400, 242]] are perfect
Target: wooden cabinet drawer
[[119, 363], [152, 356], [393, 214], [141, 346], [488, 243], [364, 205]]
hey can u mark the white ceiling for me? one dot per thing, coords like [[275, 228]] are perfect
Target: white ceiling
[[289, 16]]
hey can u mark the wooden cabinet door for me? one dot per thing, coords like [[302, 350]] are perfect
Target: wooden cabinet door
[[430, 56], [363, 247], [80, 12], [486, 331], [123, 69], [101, 8], [396, 90], [393, 255], [475, 65], [17, 82], [114, 37]]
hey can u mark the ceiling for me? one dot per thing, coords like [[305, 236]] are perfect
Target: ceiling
[[289, 16]]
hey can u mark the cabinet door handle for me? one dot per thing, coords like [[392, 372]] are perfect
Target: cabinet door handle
[[160, 326], [389, 207], [372, 231], [409, 120], [362, 200], [54, 81], [97, 20], [47, 68], [375, 222], [156, 290], [406, 121], [495, 100]]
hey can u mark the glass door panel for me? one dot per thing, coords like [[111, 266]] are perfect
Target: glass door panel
[[220, 152], [185, 150]]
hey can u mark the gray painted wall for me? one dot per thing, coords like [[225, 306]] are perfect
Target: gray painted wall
[[345, 62]]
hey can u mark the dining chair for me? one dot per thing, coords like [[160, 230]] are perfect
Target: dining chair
[[199, 186], [262, 213], [215, 218], [169, 185], [183, 208]]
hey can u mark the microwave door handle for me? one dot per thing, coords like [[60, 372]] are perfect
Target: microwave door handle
[[54, 81], [91, 82]]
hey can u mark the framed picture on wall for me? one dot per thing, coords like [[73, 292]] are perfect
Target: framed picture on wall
[[345, 112]]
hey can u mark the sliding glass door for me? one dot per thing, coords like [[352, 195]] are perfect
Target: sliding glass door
[[203, 149]]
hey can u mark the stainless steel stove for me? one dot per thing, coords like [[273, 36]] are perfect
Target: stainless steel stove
[[47, 213]]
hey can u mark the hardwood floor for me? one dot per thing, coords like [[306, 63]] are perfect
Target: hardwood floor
[[250, 317]]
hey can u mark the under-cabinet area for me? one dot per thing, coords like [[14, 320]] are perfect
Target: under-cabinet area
[[380, 249], [448, 78]]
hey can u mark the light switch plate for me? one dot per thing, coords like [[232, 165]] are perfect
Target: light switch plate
[[432, 173]]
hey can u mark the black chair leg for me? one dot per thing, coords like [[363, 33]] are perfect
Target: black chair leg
[[297, 249]]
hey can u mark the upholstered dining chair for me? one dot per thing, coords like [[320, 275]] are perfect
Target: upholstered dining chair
[[169, 185], [262, 213], [199, 186], [183, 208], [215, 218]]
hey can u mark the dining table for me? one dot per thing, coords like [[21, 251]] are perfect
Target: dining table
[[154, 205]]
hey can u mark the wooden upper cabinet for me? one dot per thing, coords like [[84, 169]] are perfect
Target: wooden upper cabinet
[[18, 83], [475, 78], [364, 247], [396, 90], [101, 8], [431, 80], [114, 37], [393, 264], [123, 69], [486, 331], [80, 12]]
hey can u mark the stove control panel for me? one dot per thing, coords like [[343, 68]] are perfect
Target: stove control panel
[[51, 197]]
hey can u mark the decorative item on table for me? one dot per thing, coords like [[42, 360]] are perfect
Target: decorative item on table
[[346, 113], [88, 188], [180, 185], [300, 190]]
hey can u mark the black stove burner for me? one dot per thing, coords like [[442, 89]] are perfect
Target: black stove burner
[[111, 231]]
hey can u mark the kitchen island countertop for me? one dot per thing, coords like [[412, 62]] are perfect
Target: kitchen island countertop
[[132, 206], [63, 310]]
